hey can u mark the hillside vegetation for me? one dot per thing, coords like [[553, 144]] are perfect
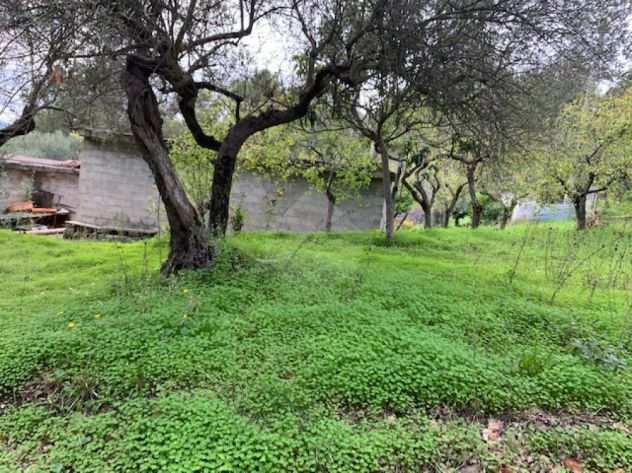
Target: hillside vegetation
[[450, 350]]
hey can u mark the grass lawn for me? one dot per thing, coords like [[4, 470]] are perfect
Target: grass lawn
[[451, 350]]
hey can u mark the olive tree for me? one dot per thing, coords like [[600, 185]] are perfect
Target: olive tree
[[588, 150], [183, 47], [439, 53]]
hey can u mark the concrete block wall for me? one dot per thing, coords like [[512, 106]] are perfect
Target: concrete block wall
[[116, 188], [65, 186], [296, 206], [15, 185]]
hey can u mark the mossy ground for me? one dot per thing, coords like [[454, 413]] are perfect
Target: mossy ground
[[324, 353]]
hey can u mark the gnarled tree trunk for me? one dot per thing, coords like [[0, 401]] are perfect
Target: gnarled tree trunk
[[189, 246]]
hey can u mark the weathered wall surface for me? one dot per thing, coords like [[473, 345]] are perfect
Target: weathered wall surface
[[117, 191], [64, 186], [15, 186], [116, 188], [296, 206], [18, 184]]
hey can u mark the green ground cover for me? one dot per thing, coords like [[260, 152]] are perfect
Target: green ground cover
[[451, 350]]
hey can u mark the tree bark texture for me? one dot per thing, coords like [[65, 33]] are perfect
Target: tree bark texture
[[189, 246]]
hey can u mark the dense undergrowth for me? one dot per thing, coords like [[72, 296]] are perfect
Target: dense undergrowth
[[324, 353]]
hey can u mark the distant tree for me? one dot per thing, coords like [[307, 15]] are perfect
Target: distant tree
[[454, 183], [589, 150], [472, 155], [334, 160], [421, 179], [506, 182], [337, 163]]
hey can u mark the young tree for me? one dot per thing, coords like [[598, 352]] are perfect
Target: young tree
[[588, 150], [334, 160], [472, 155], [421, 179], [336, 163]]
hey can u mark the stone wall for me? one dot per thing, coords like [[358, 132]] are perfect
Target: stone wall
[[116, 188]]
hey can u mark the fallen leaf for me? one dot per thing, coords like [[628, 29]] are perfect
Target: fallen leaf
[[573, 465], [493, 431], [505, 469]]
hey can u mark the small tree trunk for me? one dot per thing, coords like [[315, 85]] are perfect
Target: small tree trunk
[[331, 205], [580, 212], [505, 217], [188, 245], [389, 208], [477, 208], [449, 209], [477, 213], [446, 217]]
